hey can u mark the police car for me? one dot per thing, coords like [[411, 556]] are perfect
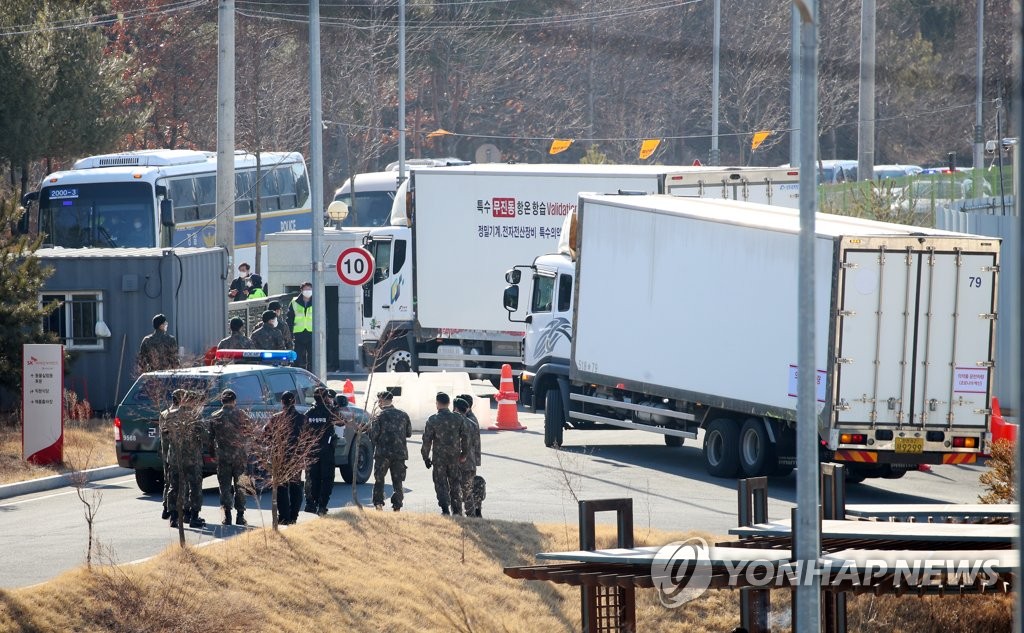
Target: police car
[[258, 387]]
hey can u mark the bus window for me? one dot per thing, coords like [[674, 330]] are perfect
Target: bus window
[[244, 187], [301, 184], [206, 196], [270, 190], [287, 182], [182, 191]]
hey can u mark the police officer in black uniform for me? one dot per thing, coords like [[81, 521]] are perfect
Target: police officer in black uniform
[[321, 420]]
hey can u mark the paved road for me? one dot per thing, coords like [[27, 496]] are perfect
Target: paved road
[[44, 534]]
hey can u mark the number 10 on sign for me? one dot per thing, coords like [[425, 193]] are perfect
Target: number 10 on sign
[[355, 266]]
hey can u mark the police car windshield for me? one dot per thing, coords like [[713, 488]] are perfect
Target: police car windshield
[[157, 389]]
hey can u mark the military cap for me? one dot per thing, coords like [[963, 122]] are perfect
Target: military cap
[[227, 395], [385, 395], [268, 315], [443, 398], [288, 397]]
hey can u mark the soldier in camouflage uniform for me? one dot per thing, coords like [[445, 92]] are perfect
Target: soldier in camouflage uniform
[[473, 459], [445, 432], [238, 339], [282, 327], [389, 430], [229, 427], [186, 433], [267, 335], [158, 350]]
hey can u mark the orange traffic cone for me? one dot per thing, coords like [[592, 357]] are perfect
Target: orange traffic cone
[[508, 415], [349, 391]]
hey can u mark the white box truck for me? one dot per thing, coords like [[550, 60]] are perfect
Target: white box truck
[[432, 303], [672, 315]]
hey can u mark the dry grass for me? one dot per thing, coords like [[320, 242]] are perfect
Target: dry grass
[[403, 573], [87, 444]]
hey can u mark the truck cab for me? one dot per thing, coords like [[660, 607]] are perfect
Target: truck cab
[[387, 312]]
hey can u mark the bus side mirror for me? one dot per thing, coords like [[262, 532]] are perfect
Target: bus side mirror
[[29, 198], [511, 298], [167, 213]]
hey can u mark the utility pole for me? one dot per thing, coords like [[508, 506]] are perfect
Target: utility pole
[[808, 496], [401, 93], [716, 47], [794, 90], [866, 101], [979, 132], [316, 188], [226, 132], [1017, 264]]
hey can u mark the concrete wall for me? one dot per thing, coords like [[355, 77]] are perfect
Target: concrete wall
[[288, 265], [188, 285]]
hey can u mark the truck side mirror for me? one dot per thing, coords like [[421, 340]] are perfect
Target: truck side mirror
[[167, 213], [513, 277], [512, 297]]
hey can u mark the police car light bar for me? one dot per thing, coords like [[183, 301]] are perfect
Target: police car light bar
[[256, 354]]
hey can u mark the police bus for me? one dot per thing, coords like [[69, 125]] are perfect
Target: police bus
[[166, 198]]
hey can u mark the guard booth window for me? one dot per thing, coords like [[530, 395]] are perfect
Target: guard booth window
[[543, 290]]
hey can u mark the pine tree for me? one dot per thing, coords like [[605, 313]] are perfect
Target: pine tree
[[21, 278]]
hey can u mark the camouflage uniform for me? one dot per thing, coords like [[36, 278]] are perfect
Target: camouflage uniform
[[320, 473], [266, 337], [237, 340], [445, 431], [228, 427], [389, 430], [470, 465], [187, 435], [158, 350], [286, 333]]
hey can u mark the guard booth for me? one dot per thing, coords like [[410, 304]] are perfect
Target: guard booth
[[107, 299], [288, 266]]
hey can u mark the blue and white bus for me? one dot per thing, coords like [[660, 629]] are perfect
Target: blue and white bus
[[169, 198]]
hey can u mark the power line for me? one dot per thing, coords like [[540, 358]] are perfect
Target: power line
[[173, 6]]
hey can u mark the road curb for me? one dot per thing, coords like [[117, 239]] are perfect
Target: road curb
[[59, 481]]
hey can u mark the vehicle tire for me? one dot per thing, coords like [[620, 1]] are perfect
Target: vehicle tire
[[150, 480], [360, 464], [398, 359], [554, 418], [673, 440], [721, 448], [854, 476], [757, 453]]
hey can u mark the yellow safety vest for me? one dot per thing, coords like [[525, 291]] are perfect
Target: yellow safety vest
[[303, 318]]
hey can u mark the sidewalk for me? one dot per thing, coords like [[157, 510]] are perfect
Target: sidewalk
[[60, 481]]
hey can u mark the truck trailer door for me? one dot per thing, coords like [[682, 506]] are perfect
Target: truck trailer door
[[915, 336]]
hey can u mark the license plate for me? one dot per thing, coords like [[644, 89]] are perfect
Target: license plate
[[909, 444]]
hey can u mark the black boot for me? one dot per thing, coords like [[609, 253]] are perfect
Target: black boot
[[197, 521], [227, 517], [174, 519], [166, 514], [444, 511], [240, 518]]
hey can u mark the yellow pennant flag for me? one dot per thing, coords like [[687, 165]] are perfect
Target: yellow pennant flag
[[439, 132], [759, 138], [648, 146], [559, 145]]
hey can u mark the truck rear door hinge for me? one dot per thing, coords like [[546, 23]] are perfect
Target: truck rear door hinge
[[844, 361], [986, 363], [848, 265], [842, 406], [990, 269], [847, 313], [988, 316]]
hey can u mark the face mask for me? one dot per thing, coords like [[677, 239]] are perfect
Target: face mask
[[244, 273], [273, 322], [307, 293]]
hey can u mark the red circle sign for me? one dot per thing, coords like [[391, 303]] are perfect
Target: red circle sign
[[355, 266]]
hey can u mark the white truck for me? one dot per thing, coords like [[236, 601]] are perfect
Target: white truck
[[432, 303], [675, 316]]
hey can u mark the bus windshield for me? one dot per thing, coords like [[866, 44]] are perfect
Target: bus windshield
[[98, 215]]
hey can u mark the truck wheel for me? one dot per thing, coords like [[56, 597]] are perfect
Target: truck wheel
[[757, 454], [554, 418], [362, 459], [150, 480], [721, 448], [855, 476], [673, 440], [782, 470], [398, 360]]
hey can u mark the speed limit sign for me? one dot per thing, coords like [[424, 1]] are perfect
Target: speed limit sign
[[355, 266]]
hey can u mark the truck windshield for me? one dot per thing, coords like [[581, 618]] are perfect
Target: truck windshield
[[100, 215], [371, 208]]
